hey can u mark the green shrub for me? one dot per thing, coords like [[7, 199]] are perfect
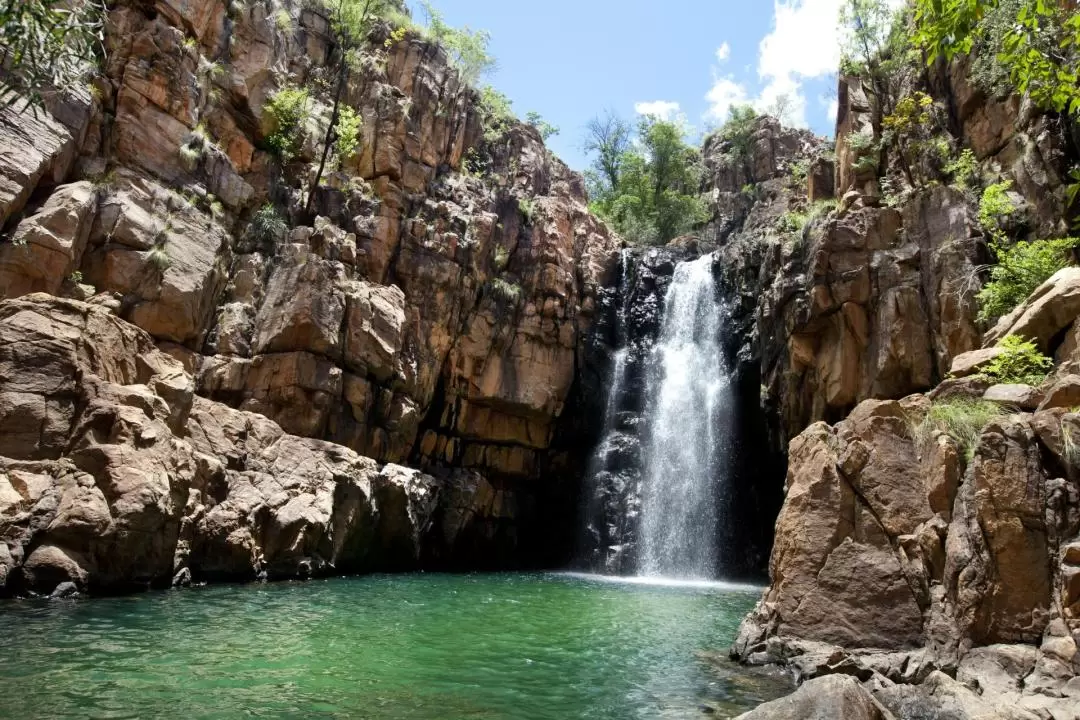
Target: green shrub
[[961, 419], [527, 208], [501, 258], [348, 133], [995, 207], [468, 49], [283, 20], [1020, 270], [964, 170], [159, 257], [1020, 362], [546, 129], [793, 222], [267, 225], [738, 130], [505, 292], [799, 170], [496, 113], [289, 110]]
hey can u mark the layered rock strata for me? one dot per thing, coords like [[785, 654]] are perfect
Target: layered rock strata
[[427, 304]]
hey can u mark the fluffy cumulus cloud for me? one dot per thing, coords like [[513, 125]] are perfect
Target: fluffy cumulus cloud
[[663, 109], [804, 44], [723, 53], [724, 94]]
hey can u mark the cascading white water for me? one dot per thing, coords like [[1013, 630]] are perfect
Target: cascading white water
[[691, 399]]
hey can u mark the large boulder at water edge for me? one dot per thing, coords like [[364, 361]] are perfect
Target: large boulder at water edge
[[826, 698], [904, 559]]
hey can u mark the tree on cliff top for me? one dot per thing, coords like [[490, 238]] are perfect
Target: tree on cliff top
[[47, 45], [648, 189]]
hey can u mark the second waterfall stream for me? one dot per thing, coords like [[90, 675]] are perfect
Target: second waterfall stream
[[686, 449]]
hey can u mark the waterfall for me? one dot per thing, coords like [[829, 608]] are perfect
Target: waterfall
[[685, 452], [605, 521]]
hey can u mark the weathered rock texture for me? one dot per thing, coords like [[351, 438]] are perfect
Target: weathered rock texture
[[418, 314], [897, 556], [116, 475], [865, 301]]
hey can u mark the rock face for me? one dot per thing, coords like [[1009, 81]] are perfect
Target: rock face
[[412, 311], [898, 557], [116, 475]]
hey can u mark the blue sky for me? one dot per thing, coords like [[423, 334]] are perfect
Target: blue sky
[[572, 59]]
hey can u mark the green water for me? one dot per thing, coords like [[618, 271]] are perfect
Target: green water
[[384, 647]]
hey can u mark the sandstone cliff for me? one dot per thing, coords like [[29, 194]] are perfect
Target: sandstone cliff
[[940, 574], [427, 311]]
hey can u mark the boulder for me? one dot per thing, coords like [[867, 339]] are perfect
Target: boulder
[[1051, 308], [824, 698], [1065, 393], [1023, 397], [142, 484], [47, 246], [970, 363]]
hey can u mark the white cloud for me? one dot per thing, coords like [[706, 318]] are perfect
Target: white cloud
[[723, 53], [663, 109], [804, 44], [724, 94], [831, 105]]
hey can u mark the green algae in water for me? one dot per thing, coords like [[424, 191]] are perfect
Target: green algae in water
[[383, 647]]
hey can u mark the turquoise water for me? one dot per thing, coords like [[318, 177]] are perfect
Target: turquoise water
[[385, 647]]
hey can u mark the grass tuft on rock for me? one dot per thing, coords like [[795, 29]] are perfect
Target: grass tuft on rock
[[961, 419]]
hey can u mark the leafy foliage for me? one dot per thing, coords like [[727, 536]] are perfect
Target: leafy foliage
[[653, 194], [608, 137], [1036, 42], [159, 258], [547, 130], [347, 133], [995, 207], [47, 44], [289, 109], [267, 226], [496, 113], [738, 130], [468, 49], [1020, 270], [505, 292], [910, 129], [1020, 362], [527, 208], [961, 419], [964, 170]]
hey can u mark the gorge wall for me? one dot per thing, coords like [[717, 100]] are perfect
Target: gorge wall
[[189, 393], [913, 575]]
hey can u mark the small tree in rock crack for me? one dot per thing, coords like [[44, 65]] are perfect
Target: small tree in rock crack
[[350, 21], [47, 45]]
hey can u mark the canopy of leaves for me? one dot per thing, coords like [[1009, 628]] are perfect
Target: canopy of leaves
[[496, 113], [653, 194], [738, 130], [1036, 42], [47, 44]]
